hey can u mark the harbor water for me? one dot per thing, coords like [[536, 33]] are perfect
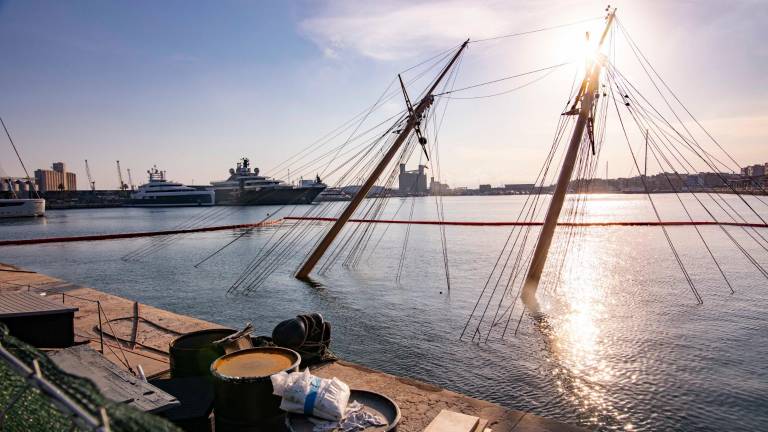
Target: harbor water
[[626, 346]]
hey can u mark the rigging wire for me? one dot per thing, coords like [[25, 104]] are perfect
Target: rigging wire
[[504, 78], [680, 263], [542, 29], [643, 120], [643, 62], [522, 86]]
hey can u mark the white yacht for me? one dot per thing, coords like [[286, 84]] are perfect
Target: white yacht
[[15, 206], [21, 207], [160, 192]]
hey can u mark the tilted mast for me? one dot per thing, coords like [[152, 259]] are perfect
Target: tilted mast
[[413, 119], [589, 87]]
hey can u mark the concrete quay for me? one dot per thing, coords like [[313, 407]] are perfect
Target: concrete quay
[[128, 342]]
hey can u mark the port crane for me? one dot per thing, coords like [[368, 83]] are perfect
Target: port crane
[[130, 179], [122, 184], [91, 182]]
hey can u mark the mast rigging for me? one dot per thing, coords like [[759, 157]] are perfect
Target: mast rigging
[[413, 119], [586, 98]]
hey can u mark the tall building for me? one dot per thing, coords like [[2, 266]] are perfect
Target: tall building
[[56, 179], [412, 182]]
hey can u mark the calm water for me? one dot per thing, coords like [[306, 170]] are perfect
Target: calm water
[[625, 346]]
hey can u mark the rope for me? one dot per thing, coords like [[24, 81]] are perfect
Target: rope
[[504, 78], [542, 29], [656, 211]]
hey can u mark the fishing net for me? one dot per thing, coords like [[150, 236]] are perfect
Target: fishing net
[[24, 408]]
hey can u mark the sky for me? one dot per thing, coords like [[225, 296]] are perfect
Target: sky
[[192, 86]]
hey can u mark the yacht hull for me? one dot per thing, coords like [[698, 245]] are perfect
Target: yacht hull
[[11, 208], [185, 200], [277, 196]]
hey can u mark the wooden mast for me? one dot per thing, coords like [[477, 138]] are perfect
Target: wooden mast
[[413, 119], [589, 87]]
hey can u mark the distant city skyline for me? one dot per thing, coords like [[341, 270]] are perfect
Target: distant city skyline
[[192, 87]]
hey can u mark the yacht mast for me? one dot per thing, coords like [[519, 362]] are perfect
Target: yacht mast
[[589, 87], [29, 179], [414, 118]]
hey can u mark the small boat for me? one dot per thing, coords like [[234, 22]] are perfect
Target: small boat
[[333, 194], [22, 207], [160, 192], [246, 187]]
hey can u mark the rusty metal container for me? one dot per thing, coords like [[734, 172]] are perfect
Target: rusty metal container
[[243, 389]]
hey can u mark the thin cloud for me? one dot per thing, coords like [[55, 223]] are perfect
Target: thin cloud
[[403, 30]]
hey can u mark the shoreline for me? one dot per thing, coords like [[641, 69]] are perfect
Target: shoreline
[[91, 202], [419, 402]]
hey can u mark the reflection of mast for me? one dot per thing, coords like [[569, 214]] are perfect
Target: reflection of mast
[[414, 118], [589, 87]]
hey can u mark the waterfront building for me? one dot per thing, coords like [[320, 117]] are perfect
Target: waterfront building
[[757, 170], [437, 188], [519, 188], [56, 179], [412, 182]]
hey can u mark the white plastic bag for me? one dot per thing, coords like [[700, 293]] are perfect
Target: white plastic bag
[[304, 393]]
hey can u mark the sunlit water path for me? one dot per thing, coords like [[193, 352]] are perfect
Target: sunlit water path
[[624, 344]]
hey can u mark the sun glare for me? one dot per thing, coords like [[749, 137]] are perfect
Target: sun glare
[[576, 334]]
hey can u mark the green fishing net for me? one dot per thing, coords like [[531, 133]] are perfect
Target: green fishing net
[[24, 408]]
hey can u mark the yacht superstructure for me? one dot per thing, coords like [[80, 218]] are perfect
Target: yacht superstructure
[[160, 192]]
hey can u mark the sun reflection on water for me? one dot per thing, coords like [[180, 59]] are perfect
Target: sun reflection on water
[[576, 338]]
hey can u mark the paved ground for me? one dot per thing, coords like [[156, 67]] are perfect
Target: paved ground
[[419, 402]]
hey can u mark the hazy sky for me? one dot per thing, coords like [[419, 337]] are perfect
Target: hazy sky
[[194, 85]]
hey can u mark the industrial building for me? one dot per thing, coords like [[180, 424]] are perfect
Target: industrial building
[[56, 179], [21, 186], [437, 188], [412, 182]]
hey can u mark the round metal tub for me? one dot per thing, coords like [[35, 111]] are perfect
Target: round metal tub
[[193, 353], [243, 389]]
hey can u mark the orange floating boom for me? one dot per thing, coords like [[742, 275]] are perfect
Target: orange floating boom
[[506, 223], [20, 242]]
